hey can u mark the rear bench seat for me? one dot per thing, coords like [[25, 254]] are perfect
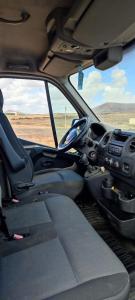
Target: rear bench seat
[[62, 258]]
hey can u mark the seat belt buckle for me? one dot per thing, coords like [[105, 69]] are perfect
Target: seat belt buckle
[[25, 185], [17, 236], [14, 200], [14, 237]]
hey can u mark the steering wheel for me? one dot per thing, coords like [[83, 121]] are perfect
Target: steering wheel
[[74, 135]]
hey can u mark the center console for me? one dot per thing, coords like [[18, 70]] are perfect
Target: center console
[[116, 152]]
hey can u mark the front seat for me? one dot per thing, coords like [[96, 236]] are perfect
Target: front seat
[[62, 257], [19, 167]]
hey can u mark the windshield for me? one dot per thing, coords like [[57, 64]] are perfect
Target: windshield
[[111, 93]]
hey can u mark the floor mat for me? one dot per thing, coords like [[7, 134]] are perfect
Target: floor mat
[[117, 243]]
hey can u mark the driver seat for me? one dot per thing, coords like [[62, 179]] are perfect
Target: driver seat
[[20, 170]]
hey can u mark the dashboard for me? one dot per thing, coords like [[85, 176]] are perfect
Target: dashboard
[[113, 149], [115, 190], [97, 130], [116, 152]]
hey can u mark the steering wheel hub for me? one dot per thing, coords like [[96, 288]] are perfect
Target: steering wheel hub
[[74, 135]]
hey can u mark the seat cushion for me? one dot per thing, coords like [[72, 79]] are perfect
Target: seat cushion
[[74, 263], [65, 182]]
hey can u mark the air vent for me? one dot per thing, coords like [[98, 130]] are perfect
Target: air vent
[[105, 139], [132, 146]]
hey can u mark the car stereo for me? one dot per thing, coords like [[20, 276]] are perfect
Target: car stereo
[[117, 152], [114, 149]]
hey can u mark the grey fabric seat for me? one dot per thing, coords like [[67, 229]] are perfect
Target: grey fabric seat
[[19, 167], [70, 261]]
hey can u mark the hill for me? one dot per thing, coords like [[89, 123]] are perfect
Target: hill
[[113, 107]]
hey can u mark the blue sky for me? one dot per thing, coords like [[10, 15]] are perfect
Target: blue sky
[[116, 84], [127, 64]]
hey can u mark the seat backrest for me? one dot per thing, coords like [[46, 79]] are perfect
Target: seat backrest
[[17, 162]]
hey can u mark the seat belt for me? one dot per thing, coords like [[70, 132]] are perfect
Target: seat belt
[[4, 226]]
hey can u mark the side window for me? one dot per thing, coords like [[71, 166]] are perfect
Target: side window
[[25, 104], [64, 113]]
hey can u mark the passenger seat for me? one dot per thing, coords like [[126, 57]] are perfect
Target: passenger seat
[[20, 170], [61, 258]]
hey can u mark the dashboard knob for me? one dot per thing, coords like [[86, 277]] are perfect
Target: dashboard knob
[[111, 162], [92, 155], [116, 164], [106, 160]]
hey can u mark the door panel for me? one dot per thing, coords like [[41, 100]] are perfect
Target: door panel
[[62, 112], [44, 159], [48, 158]]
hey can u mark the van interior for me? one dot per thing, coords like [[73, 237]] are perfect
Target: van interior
[[67, 150]]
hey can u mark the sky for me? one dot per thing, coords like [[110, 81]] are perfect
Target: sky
[[114, 85], [29, 97]]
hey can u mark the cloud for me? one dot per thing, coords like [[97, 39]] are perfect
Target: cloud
[[59, 101], [26, 96], [97, 88], [119, 77], [117, 90], [92, 85], [29, 96]]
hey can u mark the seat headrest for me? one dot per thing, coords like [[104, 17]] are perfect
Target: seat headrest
[[1, 100]]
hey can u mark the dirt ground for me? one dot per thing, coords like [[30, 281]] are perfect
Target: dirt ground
[[120, 120], [37, 128]]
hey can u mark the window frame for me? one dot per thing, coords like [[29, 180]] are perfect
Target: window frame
[[62, 84], [49, 110], [54, 128], [52, 119]]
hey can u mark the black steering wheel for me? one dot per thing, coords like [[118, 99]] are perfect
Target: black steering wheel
[[74, 135]]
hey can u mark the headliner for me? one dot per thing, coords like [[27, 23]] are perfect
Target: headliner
[[34, 47]]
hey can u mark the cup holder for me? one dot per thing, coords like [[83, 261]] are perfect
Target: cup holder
[[126, 202], [122, 222], [119, 208]]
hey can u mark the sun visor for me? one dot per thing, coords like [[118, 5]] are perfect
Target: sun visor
[[105, 23], [64, 54], [76, 37], [58, 67]]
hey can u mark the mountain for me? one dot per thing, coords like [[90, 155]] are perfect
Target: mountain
[[113, 107]]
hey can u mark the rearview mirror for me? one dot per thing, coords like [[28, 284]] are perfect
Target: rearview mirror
[[107, 58]]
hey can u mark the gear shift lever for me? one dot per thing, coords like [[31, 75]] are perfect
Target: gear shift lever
[[84, 160]]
